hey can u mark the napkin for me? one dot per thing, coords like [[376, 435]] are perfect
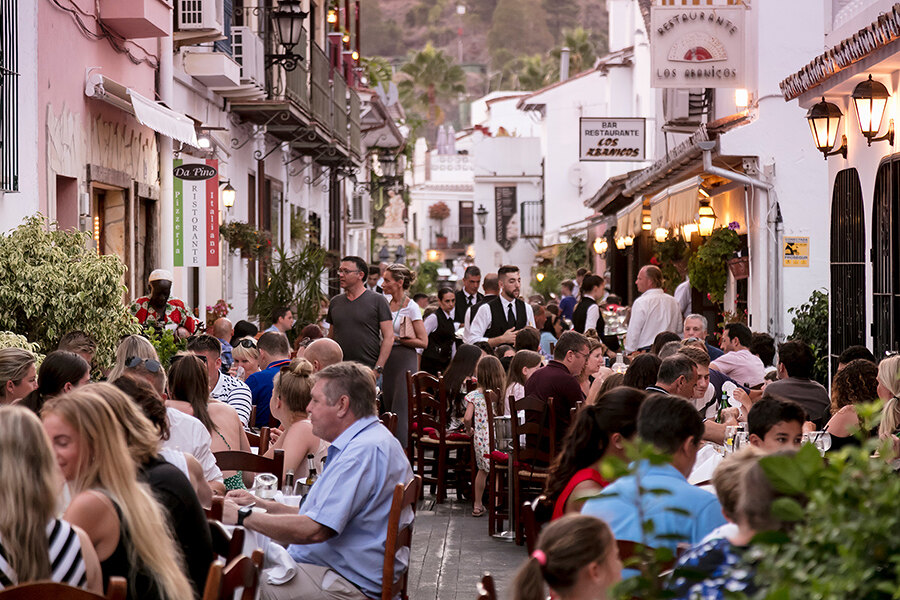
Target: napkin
[[278, 565]]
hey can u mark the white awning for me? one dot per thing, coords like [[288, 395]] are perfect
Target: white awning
[[149, 113]]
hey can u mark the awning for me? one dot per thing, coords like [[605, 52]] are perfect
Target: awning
[[676, 205], [730, 205], [148, 113], [628, 220]]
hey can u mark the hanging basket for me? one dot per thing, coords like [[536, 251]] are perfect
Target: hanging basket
[[740, 267]]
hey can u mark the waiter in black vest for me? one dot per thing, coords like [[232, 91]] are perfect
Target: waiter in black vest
[[498, 320], [587, 312], [469, 296], [441, 332]]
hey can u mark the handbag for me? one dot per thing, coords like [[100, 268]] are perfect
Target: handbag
[[406, 328]]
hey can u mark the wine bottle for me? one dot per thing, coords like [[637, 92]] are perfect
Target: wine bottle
[[288, 487], [311, 465]]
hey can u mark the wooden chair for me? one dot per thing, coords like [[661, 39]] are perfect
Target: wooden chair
[[485, 588], [224, 544], [235, 460], [433, 459], [398, 538], [252, 422], [533, 459], [535, 515], [41, 590], [241, 573], [498, 495], [214, 512], [259, 440], [389, 420]]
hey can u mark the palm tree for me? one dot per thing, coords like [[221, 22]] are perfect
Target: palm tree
[[430, 77], [582, 54], [533, 72]]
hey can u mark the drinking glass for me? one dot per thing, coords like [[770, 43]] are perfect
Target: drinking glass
[[821, 440], [741, 439], [730, 431], [265, 485]]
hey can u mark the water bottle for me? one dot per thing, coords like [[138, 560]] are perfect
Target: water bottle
[[620, 366]]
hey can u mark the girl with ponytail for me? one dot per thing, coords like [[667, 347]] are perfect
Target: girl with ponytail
[[599, 431], [576, 557], [291, 393]]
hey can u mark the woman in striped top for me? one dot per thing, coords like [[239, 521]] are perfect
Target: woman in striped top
[[34, 545]]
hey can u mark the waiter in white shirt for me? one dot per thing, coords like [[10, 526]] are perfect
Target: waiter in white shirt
[[651, 314], [498, 320], [469, 296], [441, 332]]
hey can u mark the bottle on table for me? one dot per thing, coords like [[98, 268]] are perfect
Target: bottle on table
[[619, 366], [312, 474], [288, 487], [723, 404]]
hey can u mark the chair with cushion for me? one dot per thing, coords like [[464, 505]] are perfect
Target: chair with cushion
[[40, 590], [399, 537], [235, 460], [534, 458], [259, 440], [498, 476], [389, 420], [241, 573], [486, 589], [442, 459]]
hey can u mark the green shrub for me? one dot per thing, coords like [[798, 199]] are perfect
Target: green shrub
[[810, 321], [708, 267]]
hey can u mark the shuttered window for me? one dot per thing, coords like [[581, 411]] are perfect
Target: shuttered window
[[9, 88], [848, 264], [886, 257]]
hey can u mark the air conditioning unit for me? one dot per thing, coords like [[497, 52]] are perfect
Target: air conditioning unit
[[200, 15], [249, 52], [686, 108]]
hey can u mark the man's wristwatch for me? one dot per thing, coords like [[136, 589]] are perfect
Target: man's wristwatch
[[379, 369], [244, 512]]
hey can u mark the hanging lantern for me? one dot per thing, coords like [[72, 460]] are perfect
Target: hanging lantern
[[620, 243], [706, 218]]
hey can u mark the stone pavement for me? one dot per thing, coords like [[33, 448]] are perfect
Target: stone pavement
[[451, 550]]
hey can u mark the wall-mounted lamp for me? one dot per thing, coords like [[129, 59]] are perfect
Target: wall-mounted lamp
[[688, 230], [228, 195], [645, 219], [824, 123], [600, 245], [482, 214], [203, 141], [332, 16], [661, 234], [741, 98], [620, 243], [539, 277], [629, 240], [706, 218], [870, 98]]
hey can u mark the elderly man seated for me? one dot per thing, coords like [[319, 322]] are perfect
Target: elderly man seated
[[338, 536]]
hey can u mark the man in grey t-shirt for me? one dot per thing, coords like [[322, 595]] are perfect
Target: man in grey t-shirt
[[360, 319]]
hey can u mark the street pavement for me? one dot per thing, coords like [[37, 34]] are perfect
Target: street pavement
[[451, 550]]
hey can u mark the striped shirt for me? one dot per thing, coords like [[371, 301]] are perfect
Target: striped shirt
[[66, 562], [235, 393]]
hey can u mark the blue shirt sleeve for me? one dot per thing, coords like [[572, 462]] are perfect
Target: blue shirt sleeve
[[332, 502]]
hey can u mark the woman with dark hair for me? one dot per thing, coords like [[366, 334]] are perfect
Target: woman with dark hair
[[189, 393], [60, 373], [460, 369], [855, 384], [599, 431], [661, 340], [243, 329], [642, 371]]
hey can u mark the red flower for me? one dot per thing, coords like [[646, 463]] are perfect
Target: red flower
[[653, 260]]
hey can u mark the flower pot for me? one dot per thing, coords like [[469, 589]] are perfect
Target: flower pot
[[740, 267], [440, 241]]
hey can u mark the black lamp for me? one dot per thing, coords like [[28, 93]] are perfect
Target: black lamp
[[287, 24], [482, 214], [824, 123]]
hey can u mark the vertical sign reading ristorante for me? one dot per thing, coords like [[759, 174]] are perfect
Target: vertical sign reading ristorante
[[694, 47], [196, 200]]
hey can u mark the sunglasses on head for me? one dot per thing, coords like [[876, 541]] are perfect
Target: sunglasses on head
[[135, 361], [247, 343]]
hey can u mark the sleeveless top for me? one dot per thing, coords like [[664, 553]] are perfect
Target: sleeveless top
[[141, 586], [441, 340], [66, 561], [236, 481], [586, 474], [579, 316]]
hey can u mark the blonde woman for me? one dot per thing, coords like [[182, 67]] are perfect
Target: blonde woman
[[246, 358], [120, 516], [409, 334], [889, 391], [290, 398], [34, 544], [131, 346], [169, 485], [18, 376]]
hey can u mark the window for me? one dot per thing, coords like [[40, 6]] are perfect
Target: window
[[9, 88], [886, 257], [848, 264]]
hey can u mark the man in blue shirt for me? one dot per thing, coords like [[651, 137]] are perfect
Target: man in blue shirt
[[274, 352], [682, 513], [338, 538]]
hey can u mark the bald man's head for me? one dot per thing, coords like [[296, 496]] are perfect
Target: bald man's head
[[491, 284], [223, 329], [322, 353]]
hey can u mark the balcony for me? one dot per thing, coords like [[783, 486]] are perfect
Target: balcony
[[355, 126], [455, 237], [533, 219], [212, 69], [339, 108], [134, 19], [320, 90]]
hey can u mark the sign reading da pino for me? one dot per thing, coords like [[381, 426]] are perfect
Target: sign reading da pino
[[603, 139], [196, 200], [697, 47]]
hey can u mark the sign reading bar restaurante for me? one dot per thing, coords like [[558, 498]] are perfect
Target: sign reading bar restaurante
[[697, 47], [196, 200], [605, 139]]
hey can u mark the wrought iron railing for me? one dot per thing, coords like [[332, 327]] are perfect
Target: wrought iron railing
[[320, 88], [297, 81], [355, 126], [339, 108], [9, 107]]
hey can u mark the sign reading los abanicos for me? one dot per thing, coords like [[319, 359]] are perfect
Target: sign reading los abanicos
[[697, 47], [603, 139]]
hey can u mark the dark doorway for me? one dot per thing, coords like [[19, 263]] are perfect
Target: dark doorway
[[848, 264], [886, 257]]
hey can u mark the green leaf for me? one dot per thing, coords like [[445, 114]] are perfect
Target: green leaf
[[784, 473], [787, 510]]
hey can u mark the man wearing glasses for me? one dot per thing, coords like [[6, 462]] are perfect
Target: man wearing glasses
[[360, 320]]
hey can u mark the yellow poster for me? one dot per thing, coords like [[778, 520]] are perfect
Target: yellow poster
[[796, 251]]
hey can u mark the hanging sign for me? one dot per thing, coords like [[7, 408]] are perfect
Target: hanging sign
[[196, 199], [505, 211], [697, 47], [796, 251], [604, 139]]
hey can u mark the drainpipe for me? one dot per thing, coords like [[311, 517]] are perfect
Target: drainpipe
[[774, 273], [564, 64], [165, 90]]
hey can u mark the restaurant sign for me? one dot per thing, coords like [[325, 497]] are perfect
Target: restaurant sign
[[694, 47], [196, 198], [605, 139]]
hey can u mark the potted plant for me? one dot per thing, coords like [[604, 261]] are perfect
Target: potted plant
[[708, 267], [251, 242], [439, 211]]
